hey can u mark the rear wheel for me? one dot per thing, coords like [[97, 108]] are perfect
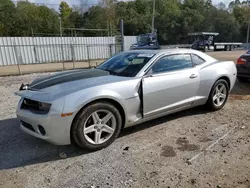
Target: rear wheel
[[206, 48], [218, 95], [97, 126]]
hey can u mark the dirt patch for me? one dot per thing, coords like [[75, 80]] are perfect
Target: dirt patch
[[239, 97], [189, 147], [205, 139], [185, 146], [182, 141], [168, 151]]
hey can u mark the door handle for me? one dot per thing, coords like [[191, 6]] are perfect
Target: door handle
[[193, 75]]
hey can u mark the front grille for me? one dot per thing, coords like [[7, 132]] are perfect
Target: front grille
[[28, 126]]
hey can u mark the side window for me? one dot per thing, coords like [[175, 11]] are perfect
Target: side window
[[172, 63], [197, 60]]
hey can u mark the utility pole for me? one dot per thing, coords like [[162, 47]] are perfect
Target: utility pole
[[248, 25], [60, 23], [153, 17], [122, 35], [248, 28]]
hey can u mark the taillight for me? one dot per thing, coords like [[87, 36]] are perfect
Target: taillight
[[241, 61]]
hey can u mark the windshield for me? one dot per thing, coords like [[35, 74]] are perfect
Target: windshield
[[126, 64], [248, 52], [142, 39]]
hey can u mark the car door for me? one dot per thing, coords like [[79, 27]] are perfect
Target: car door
[[172, 82]]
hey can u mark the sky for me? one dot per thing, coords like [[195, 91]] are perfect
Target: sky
[[95, 1]]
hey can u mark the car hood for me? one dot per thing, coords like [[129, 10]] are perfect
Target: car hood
[[57, 85]]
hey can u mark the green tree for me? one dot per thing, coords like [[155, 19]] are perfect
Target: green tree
[[65, 12], [39, 19], [242, 15], [48, 20], [26, 18], [7, 18], [174, 19]]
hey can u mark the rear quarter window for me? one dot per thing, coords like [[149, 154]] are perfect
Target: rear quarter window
[[197, 60]]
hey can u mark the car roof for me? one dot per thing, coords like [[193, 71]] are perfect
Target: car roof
[[175, 50], [168, 50]]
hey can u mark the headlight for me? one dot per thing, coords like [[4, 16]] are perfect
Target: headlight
[[44, 106]]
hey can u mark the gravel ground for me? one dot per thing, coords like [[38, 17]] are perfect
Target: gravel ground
[[153, 154]]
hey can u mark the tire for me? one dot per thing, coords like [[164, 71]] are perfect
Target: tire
[[215, 49], [90, 123], [242, 79], [227, 47], [212, 101], [206, 48]]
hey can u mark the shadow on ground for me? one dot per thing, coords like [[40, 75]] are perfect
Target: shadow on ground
[[241, 88], [19, 149]]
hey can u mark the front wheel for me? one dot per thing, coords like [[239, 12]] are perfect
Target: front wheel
[[218, 95], [97, 126]]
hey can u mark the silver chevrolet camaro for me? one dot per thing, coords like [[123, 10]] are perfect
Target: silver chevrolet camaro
[[89, 107]]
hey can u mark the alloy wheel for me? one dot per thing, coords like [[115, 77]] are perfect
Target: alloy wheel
[[219, 95], [99, 127]]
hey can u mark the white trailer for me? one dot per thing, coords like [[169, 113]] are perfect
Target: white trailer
[[206, 41]]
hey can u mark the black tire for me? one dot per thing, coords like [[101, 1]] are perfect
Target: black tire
[[83, 115], [206, 48], [210, 103], [242, 79]]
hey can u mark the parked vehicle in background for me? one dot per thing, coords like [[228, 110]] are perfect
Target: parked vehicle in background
[[243, 67], [90, 107], [150, 41], [146, 41], [206, 41]]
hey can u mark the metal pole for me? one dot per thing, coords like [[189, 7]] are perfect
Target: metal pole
[[17, 58], [122, 35], [110, 50], [248, 25], [60, 22], [153, 17], [34, 48], [88, 56], [108, 27], [248, 28]]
